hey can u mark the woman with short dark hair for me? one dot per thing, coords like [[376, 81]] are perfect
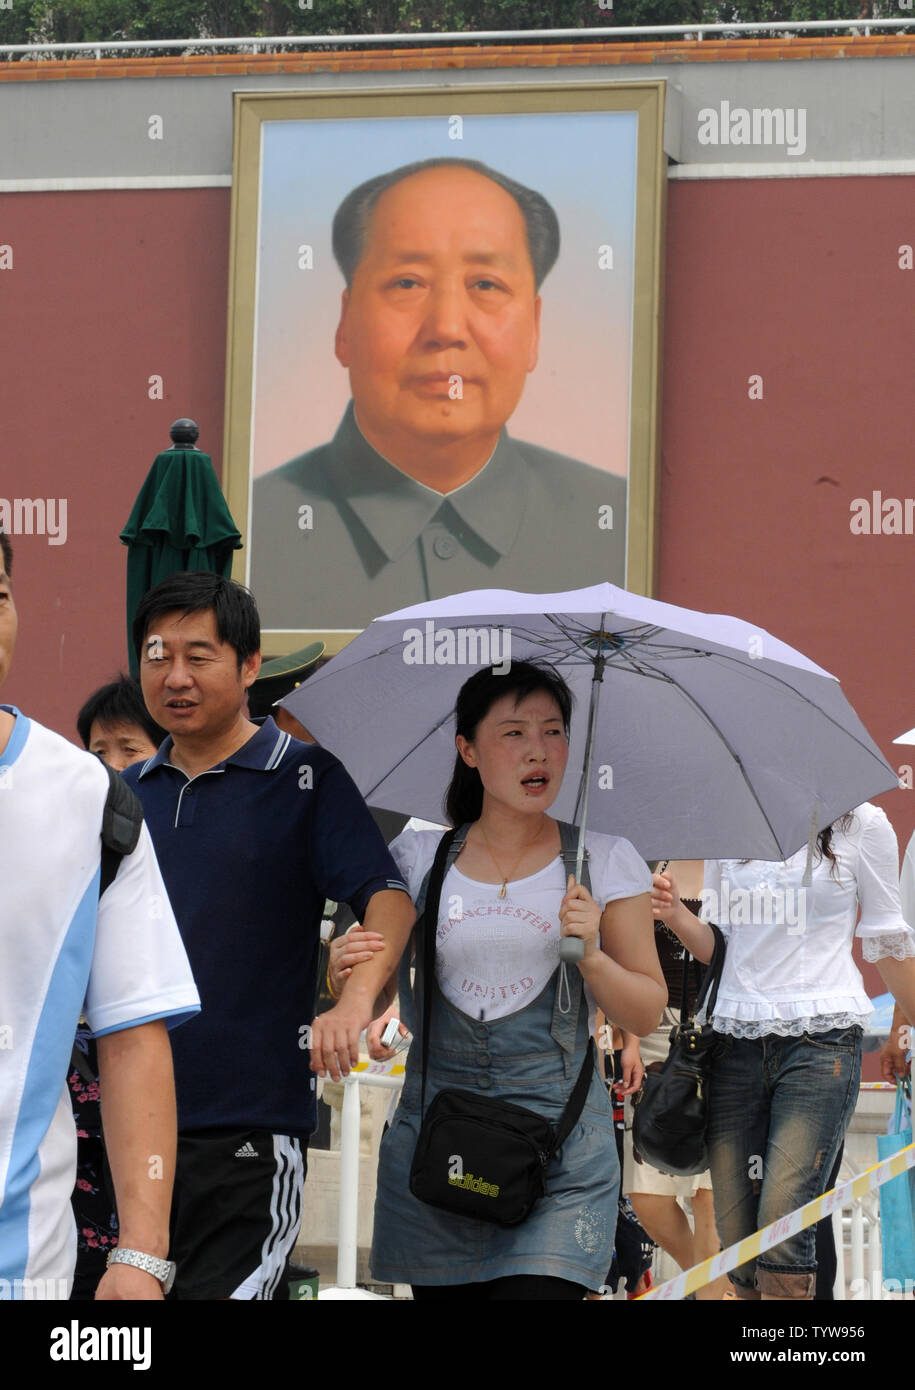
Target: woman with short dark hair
[[115, 724]]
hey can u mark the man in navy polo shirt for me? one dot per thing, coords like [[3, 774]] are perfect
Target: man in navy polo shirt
[[253, 831]]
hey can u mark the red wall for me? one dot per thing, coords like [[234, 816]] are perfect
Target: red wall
[[794, 279], [106, 290]]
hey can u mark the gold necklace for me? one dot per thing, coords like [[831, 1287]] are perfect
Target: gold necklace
[[508, 876]]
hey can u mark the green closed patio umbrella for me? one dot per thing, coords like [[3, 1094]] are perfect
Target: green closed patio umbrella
[[180, 521]]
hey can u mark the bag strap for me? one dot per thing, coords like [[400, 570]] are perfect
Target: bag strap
[[568, 850], [708, 994], [685, 1017], [449, 847], [80, 1063], [122, 821], [575, 1103]]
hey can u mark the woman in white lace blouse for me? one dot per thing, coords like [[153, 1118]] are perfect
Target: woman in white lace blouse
[[791, 1007]]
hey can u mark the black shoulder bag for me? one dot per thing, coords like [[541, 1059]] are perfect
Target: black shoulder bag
[[670, 1112], [478, 1156]]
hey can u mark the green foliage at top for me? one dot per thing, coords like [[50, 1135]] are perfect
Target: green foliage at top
[[95, 21]]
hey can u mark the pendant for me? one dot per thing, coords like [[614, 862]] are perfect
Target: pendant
[[503, 888]]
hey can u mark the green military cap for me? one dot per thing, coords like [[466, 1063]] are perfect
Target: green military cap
[[277, 677]]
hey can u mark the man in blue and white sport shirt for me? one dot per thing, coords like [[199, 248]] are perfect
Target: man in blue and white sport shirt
[[65, 949]]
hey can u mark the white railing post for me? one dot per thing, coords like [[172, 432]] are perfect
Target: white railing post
[[857, 1244], [348, 1219], [838, 1235], [875, 1256], [350, 1137]]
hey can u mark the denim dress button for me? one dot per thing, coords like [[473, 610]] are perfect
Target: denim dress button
[[484, 1080], [484, 1059]]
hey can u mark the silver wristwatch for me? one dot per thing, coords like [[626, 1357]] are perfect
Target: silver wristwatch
[[163, 1270]]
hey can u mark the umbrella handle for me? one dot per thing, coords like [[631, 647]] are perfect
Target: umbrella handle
[[571, 949]]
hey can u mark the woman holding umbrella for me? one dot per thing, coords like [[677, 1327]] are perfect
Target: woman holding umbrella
[[496, 1010]]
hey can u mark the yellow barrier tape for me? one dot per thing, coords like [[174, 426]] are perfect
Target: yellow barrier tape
[[777, 1231]]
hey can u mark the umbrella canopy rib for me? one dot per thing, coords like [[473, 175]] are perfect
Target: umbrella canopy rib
[[821, 713], [734, 755], [430, 733]]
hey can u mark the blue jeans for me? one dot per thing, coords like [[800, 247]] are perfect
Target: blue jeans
[[778, 1112]]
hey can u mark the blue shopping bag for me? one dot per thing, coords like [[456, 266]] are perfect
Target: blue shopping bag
[[897, 1200]]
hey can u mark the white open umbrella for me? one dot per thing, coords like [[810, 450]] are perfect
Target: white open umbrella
[[711, 738]]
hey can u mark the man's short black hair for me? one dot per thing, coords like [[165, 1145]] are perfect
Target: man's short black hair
[[6, 547], [351, 220], [119, 702], [237, 621]]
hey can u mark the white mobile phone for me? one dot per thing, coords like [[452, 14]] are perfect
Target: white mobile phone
[[391, 1033]]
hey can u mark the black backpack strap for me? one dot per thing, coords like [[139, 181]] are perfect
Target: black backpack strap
[[79, 1062], [449, 847], [122, 821]]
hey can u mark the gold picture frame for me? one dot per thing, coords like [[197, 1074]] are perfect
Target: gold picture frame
[[258, 118]]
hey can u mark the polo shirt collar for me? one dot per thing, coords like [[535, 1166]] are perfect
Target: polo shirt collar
[[263, 752], [395, 509]]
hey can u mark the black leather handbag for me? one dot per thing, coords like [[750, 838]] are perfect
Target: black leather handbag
[[478, 1156], [670, 1112]]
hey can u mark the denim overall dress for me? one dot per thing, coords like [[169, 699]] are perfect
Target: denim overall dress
[[532, 1058]]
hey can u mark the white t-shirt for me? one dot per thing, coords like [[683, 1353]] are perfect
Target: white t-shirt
[[494, 955], [788, 968], [63, 951]]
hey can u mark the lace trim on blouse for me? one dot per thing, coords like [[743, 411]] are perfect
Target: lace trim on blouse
[[899, 945], [788, 1027]]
